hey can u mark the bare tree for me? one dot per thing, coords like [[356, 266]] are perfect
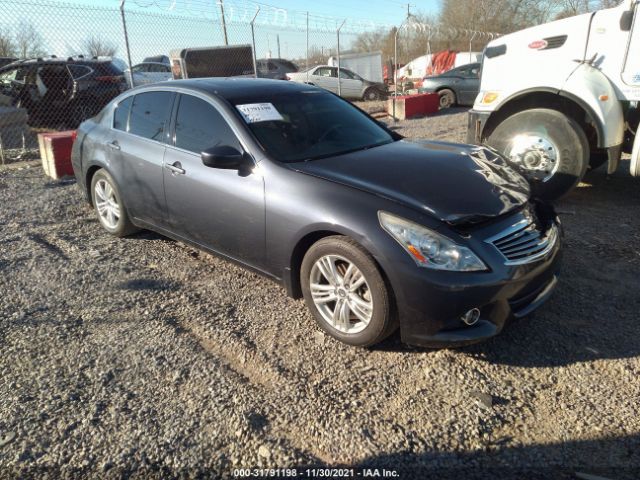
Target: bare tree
[[96, 46], [7, 45], [29, 41]]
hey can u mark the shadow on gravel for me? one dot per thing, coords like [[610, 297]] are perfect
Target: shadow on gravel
[[149, 284], [611, 458]]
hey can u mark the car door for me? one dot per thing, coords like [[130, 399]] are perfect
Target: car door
[[468, 84], [217, 208], [350, 86], [158, 73], [325, 77], [137, 152]]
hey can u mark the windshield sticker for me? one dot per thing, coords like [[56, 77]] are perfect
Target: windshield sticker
[[259, 112]]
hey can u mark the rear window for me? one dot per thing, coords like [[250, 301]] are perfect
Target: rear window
[[108, 68], [150, 114], [289, 66]]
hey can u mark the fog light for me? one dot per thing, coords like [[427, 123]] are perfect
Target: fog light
[[471, 317]]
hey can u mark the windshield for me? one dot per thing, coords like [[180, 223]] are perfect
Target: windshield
[[309, 125]]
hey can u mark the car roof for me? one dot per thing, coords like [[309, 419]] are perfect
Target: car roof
[[152, 63], [56, 61], [235, 89]]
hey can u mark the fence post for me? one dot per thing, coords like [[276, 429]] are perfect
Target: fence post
[[339, 79], [395, 71], [307, 66], [471, 42], [126, 42], [253, 41]]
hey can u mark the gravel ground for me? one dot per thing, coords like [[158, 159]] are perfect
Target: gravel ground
[[143, 358]]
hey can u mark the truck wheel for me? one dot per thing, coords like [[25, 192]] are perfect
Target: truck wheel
[[447, 98], [550, 148]]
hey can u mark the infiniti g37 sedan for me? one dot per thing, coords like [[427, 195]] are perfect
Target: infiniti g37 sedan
[[374, 231]]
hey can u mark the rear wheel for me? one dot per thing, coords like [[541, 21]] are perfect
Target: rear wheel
[[346, 292], [550, 148], [109, 206], [447, 98]]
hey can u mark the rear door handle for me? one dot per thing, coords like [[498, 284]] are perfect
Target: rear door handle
[[175, 168], [114, 145]]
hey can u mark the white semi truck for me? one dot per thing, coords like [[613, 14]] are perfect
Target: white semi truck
[[560, 97]]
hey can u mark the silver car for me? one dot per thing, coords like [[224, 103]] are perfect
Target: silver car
[[352, 85], [149, 72]]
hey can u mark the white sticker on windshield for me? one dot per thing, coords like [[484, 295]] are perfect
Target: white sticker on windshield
[[259, 112]]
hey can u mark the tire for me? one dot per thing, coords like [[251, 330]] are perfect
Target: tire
[[374, 292], [372, 94], [103, 186], [447, 98], [551, 150]]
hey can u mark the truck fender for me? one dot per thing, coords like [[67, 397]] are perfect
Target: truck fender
[[590, 88]]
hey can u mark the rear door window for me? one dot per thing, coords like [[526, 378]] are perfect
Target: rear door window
[[150, 114], [200, 126], [121, 115], [78, 71]]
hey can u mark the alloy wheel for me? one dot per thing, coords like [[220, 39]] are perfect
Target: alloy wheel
[[341, 294], [107, 204]]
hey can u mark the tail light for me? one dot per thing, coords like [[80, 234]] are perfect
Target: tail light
[[110, 78], [74, 135]]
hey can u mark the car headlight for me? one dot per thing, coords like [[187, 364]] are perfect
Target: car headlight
[[429, 249]]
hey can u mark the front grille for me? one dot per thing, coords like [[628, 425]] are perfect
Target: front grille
[[524, 241], [555, 42]]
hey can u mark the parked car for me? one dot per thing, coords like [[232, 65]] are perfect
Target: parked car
[[6, 61], [458, 86], [59, 91], [149, 72], [158, 59], [352, 85], [276, 68], [297, 184]]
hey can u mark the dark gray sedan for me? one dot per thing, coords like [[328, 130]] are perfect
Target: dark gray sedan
[[458, 86], [297, 184]]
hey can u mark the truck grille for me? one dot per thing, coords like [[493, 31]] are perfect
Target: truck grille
[[524, 242]]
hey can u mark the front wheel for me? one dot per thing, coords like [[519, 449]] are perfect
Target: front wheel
[[550, 149], [372, 94], [447, 98], [346, 292], [108, 204]]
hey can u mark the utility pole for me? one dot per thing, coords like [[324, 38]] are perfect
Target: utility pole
[[278, 38], [224, 22]]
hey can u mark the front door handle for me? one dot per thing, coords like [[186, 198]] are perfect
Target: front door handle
[[175, 168], [113, 145]]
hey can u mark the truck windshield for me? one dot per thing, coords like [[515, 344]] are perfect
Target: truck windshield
[[299, 126]]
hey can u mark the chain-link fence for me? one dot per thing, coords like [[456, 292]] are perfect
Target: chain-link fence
[[73, 58]]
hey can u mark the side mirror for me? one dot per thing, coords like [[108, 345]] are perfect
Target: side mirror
[[222, 156], [626, 20]]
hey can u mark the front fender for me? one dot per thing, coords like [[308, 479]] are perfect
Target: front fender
[[592, 89]]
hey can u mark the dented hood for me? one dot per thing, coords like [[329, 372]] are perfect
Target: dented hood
[[452, 182]]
